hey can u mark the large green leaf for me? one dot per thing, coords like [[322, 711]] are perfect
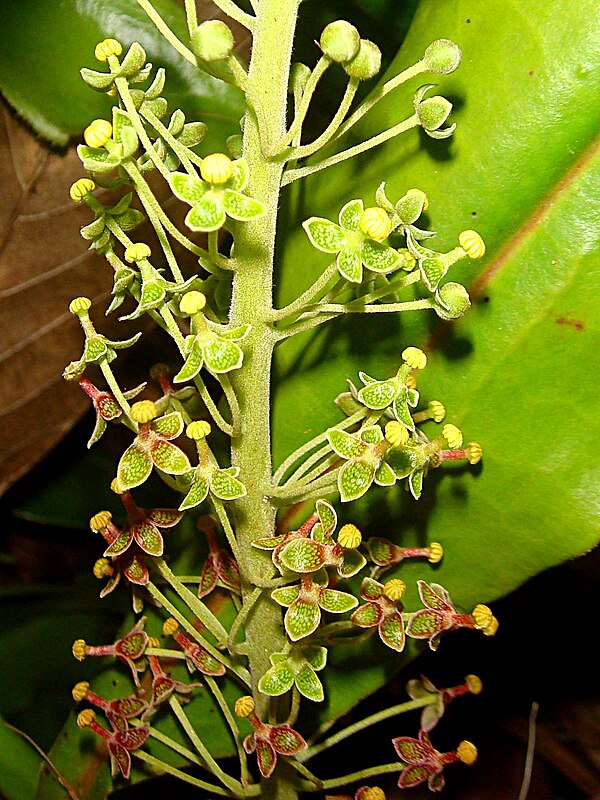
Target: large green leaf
[[46, 43], [517, 373], [19, 765]]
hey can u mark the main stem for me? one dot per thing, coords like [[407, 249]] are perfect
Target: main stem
[[252, 303]]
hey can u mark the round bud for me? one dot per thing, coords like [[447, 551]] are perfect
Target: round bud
[[436, 553], [192, 302], [143, 411], [98, 133], [394, 589], [415, 358], [106, 48], [197, 430], [244, 706], [410, 207], [474, 452], [299, 75], [81, 189], [79, 649], [472, 243], [474, 684], [366, 63], [80, 306], [212, 41], [137, 252], [85, 718], [437, 410], [452, 301], [376, 223], [102, 568], [492, 628], [442, 56], [433, 112], [349, 536], [79, 691], [170, 626], [467, 752], [407, 260], [396, 433], [340, 41], [452, 435], [482, 616], [100, 521], [216, 168]]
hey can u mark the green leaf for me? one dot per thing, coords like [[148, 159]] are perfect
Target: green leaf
[[46, 44], [19, 765]]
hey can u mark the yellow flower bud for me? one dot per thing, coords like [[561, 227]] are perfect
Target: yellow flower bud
[[143, 411], [394, 589], [474, 452], [80, 306], [474, 684], [373, 793], [376, 223], [244, 706], [81, 188], [85, 718], [137, 252], [100, 521], [411, 382], [115, 487], [216, 168], [79, 691], [437, 410], [198, 430], [492, 628], [102, 568], [98, 133], [482, 616], [153, 642], [106, 48], [396, 433], [79, 649], [192, 302], [349, 536], [452, 435], [467, 752], [415, 358], [170, 626], [472, 243], [436, 553]]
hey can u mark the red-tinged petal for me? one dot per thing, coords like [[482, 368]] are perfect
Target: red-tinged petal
[[111, 584], [164, 517], [117, 722], [436, 782], [413, 751], [162, 688], [413, 776], [149, 538], [367, 616], [136, 571], [120, 760], [431, 599], [431, 715], [266, 757], [250, 743], [128, 707], [392, 633], [205, 662], [383, 552], [371, 589], [229, 572], [426, 623], [132, 738], [132, 645], [120, 544], [286, 740], [208, 578], [107, 406]]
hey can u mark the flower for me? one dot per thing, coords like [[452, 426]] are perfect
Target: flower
[[433, 712], [220, 569], [364, 452], [128, 649], [299, 667], [424, 763], [383, 610], [105, 406], [163, 686], [197, 657], [117, 711], [304, 602], [120, 741], [268, 740]]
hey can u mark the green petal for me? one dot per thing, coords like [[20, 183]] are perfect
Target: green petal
[[302, 618], [286, 595], [345, 444], [187, 187], [235, 334], [352, 563], [349, 217], [415, 482], [403, 461], [385, 475], [379, 257], [367, 616], [193, 365], [371, 589], [372, 434], [327, 516], [241, 174], [401, 410], [309, 685], [354, 478], [303, 555], [225, 486], [349, 264], [169, 458], [277, 680], [392, 633], [379, 394], [148, 538], [432, 271], [325, 235], [134, 467], [222, 356], [207, 215], [120, 544], [239, 206], [316, 656], [336, 602], [168, 426]]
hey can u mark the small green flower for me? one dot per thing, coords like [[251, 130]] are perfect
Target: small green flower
[[304, 602], [299, 668], [213, 347], [121, 214], [364, 453], [355, 249]]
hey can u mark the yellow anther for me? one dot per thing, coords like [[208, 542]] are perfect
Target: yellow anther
[[376, 223], [79, 691], [98, 133], [411, 382], [396, 433], [216, 168], [436, 553], [143, 411], [492, 628], [349, 536], [137, 252], [79, 649], [373, 793], [109, 47], [170, 626], [437, 410], [81, 188], [192, 302], [80, 306], [474, 452], [100, 521], [102, 568], [153, 642], [482, 616], [244, 706], [452, 435], [415, 358], [474, 684], [472, 243], [115, 486], [85, 718], [467, 752], [394, 589], [198, 430]]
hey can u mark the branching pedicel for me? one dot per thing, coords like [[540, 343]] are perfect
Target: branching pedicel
[[225, 327]]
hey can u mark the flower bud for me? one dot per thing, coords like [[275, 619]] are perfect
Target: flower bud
[[216, 168], [436, 552], [394, 589], [212, 41], [452, 301], [474, 684], [81, 189], [472, 243], [244, 706], [170, 626], [433, 112], [85, 718], [411, 206], [396, 433], [79, 691], [340, 41], [492, 628], [102, 568], [79, 649], [467, 752], [366, 63], [442, 56], [299, 75], [100, 521], [482, 615], [198, 430], [143, 411], [137, 252], [474, 452], [452, 435], [80, 306], [349, 536], [106, 48], [376, 223], [98, 133], [192, 302], [415, 358]]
